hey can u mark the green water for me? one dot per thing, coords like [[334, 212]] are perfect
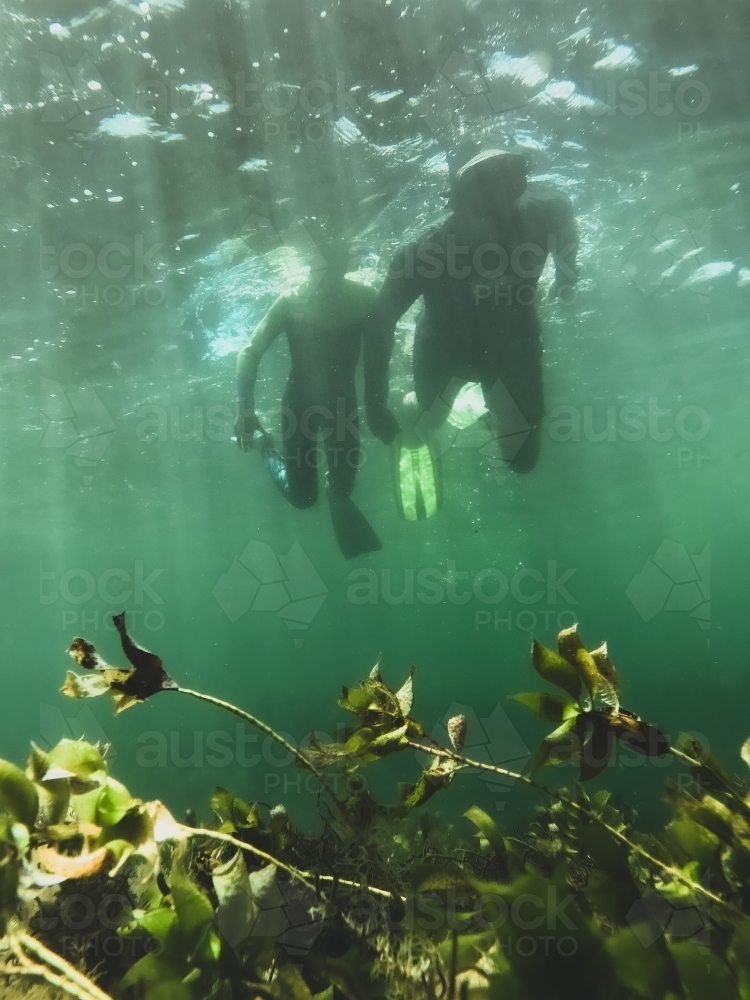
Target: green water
[[122, 488]]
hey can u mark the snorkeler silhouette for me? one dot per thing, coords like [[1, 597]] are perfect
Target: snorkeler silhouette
[[326, 322], [477, 274]]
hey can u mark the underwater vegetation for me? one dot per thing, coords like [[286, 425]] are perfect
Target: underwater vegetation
[[103, 895]]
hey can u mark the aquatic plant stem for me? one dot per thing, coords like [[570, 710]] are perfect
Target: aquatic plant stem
[[301, 876], [70, 979], [242, 714], [690, 761], [674, 873], [300, 757], [42, 972], [227, 838]]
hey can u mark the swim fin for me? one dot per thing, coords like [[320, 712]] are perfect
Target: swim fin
[[417, 479], [354, 533]]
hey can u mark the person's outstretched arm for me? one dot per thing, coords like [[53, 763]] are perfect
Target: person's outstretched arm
[[248, 361], [565, 247], [400, 289]]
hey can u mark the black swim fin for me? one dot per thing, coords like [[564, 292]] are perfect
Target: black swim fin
[[417, 478], [354, 533]]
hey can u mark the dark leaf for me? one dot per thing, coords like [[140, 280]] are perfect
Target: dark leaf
[[597, 750], [640, 737], [127, 687], [8, 887], [611, 886], [639, 965]]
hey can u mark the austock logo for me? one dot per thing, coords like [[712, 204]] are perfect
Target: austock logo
[[672, 580], [466, 422], [490, 740], [460, 89], [76, 96], [675, 913], [260, 581], [292, 252], [54, 726], [674, 256], [260, 904], [77, 422]]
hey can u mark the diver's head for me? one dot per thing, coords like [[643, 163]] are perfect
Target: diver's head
[[489, 184], [335, 261]]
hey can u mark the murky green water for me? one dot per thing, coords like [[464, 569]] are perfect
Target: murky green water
[[163, 166]]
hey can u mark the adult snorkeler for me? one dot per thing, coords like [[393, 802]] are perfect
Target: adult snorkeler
[[326, 321], [477, 275]]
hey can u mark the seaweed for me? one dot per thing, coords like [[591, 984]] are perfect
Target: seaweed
[[379, 902]]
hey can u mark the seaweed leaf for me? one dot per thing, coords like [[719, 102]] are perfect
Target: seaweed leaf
[[405, 694], [127, 687], [559, 745], [639, 736], [491, 833], [237, 909], [385, 723], [600, 689], [547, 706], [80, 762], [18, 795], [553, 667], [437, 776], [195, 914], [605, 666]]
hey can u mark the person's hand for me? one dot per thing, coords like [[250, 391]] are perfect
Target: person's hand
[[383, 424], [245, 427]]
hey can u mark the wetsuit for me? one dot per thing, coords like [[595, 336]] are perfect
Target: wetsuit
[[479, 321], [325, 330]]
